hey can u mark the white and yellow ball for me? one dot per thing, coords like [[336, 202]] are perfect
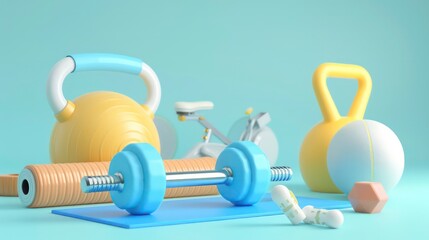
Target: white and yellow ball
[[365, 150]]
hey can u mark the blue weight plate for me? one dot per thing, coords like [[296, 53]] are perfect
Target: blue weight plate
[[260, 172], [128, 165], [237, 162], [154, 178]]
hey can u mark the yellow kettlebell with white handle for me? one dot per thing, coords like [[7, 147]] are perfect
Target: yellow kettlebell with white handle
[[96, 126], [343, 150]]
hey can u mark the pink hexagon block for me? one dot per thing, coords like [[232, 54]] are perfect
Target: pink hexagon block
[[368, 197]]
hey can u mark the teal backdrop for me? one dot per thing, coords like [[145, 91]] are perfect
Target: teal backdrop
[[235, 53]]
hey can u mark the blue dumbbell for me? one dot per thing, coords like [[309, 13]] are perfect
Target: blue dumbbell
[[137, 180]]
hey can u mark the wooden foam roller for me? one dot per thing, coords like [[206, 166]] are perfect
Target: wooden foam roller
[[8, 185], [49, 185]]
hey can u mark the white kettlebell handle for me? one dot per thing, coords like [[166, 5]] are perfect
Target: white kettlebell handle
[[97, 62]]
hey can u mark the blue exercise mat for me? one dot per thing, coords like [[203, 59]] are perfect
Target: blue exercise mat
[[190, 210]]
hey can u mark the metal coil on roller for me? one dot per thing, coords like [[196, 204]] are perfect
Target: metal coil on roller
[[49, 185]]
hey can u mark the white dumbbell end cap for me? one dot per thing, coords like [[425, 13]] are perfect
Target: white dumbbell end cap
[[279, 193], [334, 218]]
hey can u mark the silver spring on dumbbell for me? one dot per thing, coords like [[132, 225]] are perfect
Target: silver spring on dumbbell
[[106, 183], [281, 174]]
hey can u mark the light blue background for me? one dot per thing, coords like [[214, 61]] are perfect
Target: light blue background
[[236, 54]]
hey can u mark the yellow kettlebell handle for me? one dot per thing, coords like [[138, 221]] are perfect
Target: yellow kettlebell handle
[[336, 70]]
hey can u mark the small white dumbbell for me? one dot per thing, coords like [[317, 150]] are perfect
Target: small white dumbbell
[[287, 202], [330, 218]]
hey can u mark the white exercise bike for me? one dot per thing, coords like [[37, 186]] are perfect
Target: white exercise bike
[[249, 128]]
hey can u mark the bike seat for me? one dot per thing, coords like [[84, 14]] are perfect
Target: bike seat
[[191, 107]]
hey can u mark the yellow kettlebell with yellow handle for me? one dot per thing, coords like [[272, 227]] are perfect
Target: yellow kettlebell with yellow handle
[[96, 126], [343, 150], [314, 150]]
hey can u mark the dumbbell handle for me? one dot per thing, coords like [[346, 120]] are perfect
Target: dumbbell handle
[[178, 179]]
